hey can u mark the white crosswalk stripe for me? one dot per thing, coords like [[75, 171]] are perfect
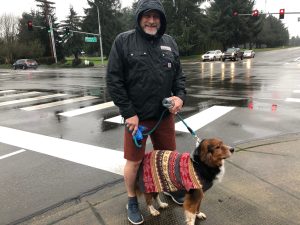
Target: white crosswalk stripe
[[7, 91], [57, 103], [195, 122], [20, 94], [30, 99], [87, 109], [292, 99], [203, 118]]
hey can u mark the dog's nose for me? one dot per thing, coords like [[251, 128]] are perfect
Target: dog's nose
[[231, 149]]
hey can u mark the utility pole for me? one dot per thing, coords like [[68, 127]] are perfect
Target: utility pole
[[47, 8], [100, 36]]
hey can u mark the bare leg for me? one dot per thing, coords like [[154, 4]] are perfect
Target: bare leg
[[130, 172]]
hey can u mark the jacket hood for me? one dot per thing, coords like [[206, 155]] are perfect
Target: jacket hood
[[145, 5]]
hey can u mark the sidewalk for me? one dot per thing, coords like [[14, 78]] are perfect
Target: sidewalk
[[261, 186]]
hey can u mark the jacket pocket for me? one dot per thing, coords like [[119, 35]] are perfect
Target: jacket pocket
[[168, 60], [138, 61]]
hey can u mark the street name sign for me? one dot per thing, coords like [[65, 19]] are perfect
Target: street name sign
[[90, 39]]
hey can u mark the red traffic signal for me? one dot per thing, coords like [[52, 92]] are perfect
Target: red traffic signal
[[255, 12], [29, 25], [235, 13], [281, 14]]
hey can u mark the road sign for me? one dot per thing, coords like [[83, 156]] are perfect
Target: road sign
[[90, 39]]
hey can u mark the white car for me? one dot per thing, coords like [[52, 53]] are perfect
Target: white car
[[212, 55], [249, 54]]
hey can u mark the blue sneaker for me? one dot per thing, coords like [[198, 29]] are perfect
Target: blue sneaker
[[177, 196], [133, 211]]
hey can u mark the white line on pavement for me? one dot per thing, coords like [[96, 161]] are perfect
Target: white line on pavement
[[292, 99], [116, 119], [11, 154], [89, 155], [57, 103], [20, 94], [7, 91], [195, 122], [30, 99], [87, 109], [203, 118]]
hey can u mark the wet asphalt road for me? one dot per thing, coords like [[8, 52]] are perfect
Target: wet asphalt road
[[265, 92]]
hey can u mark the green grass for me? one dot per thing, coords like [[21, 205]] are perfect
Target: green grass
[[96, 60]]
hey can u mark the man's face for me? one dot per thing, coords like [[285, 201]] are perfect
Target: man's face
[[150, 22]]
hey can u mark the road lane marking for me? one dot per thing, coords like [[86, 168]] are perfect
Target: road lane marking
[[195, 122], [87, 109], [203, 118], [30, 99], [11, 154], [7, 91], [292, 99], [97, 157], [20, 94], [57, 103], [116, 119]]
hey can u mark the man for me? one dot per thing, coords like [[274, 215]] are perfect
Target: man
[[143, 69]]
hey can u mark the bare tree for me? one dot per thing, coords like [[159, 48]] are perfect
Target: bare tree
[[8, 28]]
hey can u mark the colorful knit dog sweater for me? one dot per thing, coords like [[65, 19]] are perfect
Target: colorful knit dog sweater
[[167, 171]]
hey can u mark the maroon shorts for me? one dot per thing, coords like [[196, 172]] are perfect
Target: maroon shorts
[[163, 138]]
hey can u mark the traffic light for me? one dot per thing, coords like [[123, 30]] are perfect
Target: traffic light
[[29, 25], [255, 12], [281, 14], [67, 30], [235, 13]]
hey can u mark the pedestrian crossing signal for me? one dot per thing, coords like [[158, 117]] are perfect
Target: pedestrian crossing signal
[[281, 14]]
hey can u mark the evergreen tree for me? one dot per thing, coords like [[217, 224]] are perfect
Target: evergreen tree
[[73, 42], [185, 24], [273, 34], [109, 11]]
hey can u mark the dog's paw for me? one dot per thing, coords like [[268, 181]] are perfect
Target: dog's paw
[[163, 205], [201, 216], [153, 211]]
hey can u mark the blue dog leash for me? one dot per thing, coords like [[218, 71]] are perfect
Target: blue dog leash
[[139, 135]]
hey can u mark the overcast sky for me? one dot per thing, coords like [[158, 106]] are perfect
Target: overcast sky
[[16, 7]]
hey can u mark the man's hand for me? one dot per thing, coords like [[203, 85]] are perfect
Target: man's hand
[[132, 124], [177, 104]]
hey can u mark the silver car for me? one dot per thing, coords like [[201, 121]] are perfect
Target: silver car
[[212, 55]]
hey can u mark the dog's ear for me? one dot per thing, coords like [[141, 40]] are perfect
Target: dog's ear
[[210, 149]]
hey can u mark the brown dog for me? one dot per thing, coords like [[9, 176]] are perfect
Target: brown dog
[[169, 171]]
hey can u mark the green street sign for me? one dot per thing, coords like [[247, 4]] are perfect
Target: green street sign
[[90, 39]]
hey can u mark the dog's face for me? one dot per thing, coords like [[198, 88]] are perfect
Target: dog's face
[[213, 152]]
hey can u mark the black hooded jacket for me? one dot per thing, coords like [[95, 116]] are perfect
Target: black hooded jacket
[[144, 69]]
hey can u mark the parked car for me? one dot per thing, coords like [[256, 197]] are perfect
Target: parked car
[[249, 54], [212, 55], [232, 54], [25, 64]]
